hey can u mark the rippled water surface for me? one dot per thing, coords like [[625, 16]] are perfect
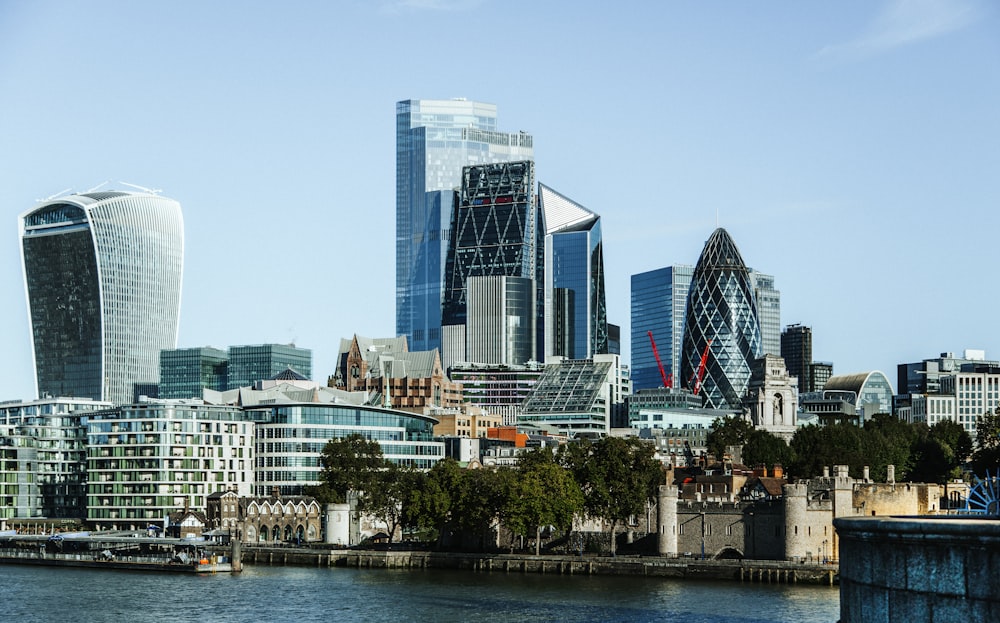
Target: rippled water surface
[[272, 594]]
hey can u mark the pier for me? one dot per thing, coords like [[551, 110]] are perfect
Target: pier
[[756, 571]]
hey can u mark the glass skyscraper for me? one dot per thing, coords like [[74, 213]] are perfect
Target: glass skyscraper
[[659, 302], [103, 280], [496, 230], [722, 317], [576, 317], [768, 311], [435, 139]]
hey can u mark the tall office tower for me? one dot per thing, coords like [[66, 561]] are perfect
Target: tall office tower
[[768, 312], [576, 314], [434, 140], [102, 274], [186, 372], [501, 319], [659, 301], [721, 320], [496, 230], [796, 350], [614, 339], [249, 364]]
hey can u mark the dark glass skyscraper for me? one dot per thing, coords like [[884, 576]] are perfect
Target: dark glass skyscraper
[[103, 277], [434, 140], [576, 316], [496, 230], [721, 311], [796, 350]]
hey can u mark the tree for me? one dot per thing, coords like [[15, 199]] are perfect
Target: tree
[[888, 440], [816, 447], [425, 504], [384, 497], [731, 430], [763, 448], [955, 437], [617, 476], [542, 494], [351, 463], [986, 458], [481, 501]]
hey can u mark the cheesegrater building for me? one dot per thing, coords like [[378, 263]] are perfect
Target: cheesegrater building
[[102, 275], [721, 320]]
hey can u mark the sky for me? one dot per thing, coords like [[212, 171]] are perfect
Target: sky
[[851, 149]]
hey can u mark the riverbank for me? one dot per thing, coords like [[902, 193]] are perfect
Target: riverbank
[[762, 571]]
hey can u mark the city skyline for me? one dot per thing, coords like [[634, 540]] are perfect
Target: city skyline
[[850, 150]]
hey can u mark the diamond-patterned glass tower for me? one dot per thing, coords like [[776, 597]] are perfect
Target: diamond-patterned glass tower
[[496, 231], [721, 308]]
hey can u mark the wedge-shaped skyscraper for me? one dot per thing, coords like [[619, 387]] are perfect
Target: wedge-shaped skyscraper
[[720, 325], [576, 317], [102, 275]]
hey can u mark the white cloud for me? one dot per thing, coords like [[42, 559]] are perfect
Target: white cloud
[[905, 22]]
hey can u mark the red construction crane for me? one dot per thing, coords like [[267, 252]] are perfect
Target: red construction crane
[[701, 369], [667, 380]]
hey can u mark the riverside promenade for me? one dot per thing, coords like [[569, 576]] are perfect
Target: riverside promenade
[[759, 571]]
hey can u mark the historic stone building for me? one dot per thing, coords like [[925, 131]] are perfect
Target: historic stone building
[[265, 519], [772, 397], [795, 525]]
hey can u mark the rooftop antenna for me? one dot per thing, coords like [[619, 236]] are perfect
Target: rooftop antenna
[[95, 187], [58, 194], [152, 191]]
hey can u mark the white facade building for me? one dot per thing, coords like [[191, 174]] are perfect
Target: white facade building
[[150, 459]]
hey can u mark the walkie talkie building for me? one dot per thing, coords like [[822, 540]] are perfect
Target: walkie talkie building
[[721, 321], [102, 275]]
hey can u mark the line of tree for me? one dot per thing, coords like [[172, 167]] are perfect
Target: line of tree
[[920, 453], [612, 480]]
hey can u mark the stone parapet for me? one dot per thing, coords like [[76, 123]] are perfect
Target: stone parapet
[[901, 570]]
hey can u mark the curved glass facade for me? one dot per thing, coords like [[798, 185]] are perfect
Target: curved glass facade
[[103, 281], [290, 439], [721, 308]]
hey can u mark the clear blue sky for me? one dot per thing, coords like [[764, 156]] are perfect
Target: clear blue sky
[[852, 149]]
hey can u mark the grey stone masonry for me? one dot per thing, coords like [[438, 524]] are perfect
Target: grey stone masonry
[[908, 569]]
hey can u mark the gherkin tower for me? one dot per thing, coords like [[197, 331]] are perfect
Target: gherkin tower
[[720, 308]]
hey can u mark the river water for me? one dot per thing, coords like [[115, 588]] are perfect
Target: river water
[[338, 595]]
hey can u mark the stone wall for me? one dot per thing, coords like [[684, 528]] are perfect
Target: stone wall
[[903, 570]]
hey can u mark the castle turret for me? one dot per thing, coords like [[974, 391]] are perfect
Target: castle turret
[[796, 509], [667, 520]]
